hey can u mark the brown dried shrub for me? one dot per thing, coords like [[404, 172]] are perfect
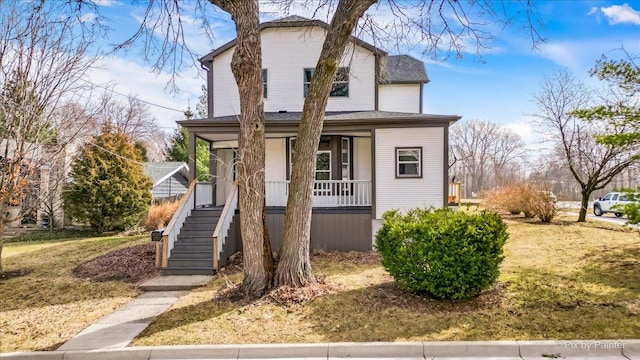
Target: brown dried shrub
[[159, 215]]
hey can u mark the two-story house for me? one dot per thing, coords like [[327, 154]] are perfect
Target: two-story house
[[378, 151]]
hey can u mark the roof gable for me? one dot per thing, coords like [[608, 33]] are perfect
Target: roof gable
[[286, 22], [399, 69], [161, 171]]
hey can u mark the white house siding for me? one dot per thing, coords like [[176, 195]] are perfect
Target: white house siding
[[286, 52], [224, 183], [362, 158], [275, 160], [399, 97], [407, 193]]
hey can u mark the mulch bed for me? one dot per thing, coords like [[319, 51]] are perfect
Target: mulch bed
[[132, 264]]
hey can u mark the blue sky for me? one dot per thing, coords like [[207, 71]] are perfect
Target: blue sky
[[498, 86]]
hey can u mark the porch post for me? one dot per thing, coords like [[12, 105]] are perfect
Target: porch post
[[192, 156], [213, 169], [373, 173]]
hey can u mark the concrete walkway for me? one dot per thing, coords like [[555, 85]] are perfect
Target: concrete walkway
[[118, 329]]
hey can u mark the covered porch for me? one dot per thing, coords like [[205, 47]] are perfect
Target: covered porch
[[343, 167]]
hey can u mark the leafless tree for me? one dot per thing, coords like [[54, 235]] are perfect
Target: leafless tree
[[131, 116], [444, 26], [485, 150], [43, 53], [592, 164]]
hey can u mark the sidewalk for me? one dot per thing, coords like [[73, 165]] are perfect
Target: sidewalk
[[118, 329], [477, 350]]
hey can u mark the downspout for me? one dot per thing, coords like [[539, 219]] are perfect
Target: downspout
[[377, 80], [209, 70], [421, 96]]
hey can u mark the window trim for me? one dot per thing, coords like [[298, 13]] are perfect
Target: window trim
[[398, 162], [306, 84]]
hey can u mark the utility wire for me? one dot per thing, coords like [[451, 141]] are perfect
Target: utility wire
[[150, 164], [141, 100]]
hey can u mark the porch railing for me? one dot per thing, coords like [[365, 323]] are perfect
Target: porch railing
[[326, 193], [224, 224]]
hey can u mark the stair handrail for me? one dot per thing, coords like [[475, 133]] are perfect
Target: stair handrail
[[222, 228], [171, 231]]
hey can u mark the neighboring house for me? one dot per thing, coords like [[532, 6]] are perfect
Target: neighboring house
[[377, 152], [40, 197], [169, 179]]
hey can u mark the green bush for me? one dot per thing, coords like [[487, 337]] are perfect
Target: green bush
[[109, 189], [449, 255]]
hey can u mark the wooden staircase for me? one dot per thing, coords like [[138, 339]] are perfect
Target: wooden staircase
[[192, 253]]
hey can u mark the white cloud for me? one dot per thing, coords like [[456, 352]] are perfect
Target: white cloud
[[105, 3], [621, 14], [88, 17], [523, 129], [593, 10], [128, 77]]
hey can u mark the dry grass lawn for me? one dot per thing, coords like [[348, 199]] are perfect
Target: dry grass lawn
[[559, 281], [48, 305]]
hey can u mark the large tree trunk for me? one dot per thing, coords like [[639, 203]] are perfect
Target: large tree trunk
[[247, 69], [2, 210], [584, 205], [294, 267]]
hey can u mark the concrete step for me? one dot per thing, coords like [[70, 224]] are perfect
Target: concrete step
[[175, 282], [188, 271], [190, 263]]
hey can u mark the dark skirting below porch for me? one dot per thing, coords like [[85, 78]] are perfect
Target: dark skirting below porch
[[332, 229]]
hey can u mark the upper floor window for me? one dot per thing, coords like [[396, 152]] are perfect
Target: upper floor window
[[264, 83], [340, 85], [408, 162]]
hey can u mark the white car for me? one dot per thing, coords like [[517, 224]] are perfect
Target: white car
[[612, 202]]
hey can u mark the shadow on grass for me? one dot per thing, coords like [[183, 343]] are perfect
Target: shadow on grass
[[51, 282], [187, 315], [549, 311], [384, 312], [615, 267]]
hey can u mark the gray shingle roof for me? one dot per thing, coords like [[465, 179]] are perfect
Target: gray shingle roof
[[159, 171], [338, 116], [404, 69], [291, 18]]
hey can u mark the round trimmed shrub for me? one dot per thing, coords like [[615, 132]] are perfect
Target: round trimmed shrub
[[447, 254]]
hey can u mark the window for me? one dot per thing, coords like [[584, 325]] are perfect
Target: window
[[323, 165], [340, 85], [346, 159], [408, 162], [264, 83], [614, 197], [323, 160], [607, 197]]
